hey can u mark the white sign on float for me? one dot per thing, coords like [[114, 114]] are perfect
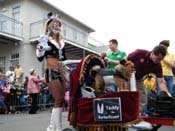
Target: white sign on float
[[107, 109]]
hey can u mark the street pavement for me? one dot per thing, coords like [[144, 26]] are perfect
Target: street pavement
[[39, 122], [27, 122]]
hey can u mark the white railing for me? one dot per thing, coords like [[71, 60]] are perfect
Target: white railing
[[11, 26]]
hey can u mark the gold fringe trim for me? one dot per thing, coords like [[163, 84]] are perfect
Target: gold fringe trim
[[73, 119], [107, 126], [85, 63], [73, 114], [99, 127]]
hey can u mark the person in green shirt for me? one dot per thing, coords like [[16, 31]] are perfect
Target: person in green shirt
[[111, 59], [115, 55]]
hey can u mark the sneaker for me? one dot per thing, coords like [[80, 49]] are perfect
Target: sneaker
[[143, 125]]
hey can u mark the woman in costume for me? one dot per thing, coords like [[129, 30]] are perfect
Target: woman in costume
[[51, 47]]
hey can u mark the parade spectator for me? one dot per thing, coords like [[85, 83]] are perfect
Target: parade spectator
[[33, 89], [3, 107], [44, 95], [10, 75], [146, 62], [4, 85], [66, 100], [51, 47], [167, 64], [25, 82], [3, 82], [4, 90], [18, 73]]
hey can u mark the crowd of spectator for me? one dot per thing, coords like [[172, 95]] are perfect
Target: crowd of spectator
[[13, 92]]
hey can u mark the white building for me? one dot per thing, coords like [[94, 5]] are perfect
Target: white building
[[21, 24]]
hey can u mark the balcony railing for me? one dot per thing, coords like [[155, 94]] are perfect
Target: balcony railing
[[36, 29], [11, 26], [69, 33], [98, 46]]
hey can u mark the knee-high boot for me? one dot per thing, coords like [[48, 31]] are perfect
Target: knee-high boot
[[51, 125], [58, 118]]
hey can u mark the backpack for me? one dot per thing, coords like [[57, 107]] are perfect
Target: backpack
[[160, 105]]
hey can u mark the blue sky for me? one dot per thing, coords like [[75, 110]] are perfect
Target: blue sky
[[134, 23]]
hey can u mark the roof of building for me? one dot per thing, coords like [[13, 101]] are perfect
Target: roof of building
[[56, 7]]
